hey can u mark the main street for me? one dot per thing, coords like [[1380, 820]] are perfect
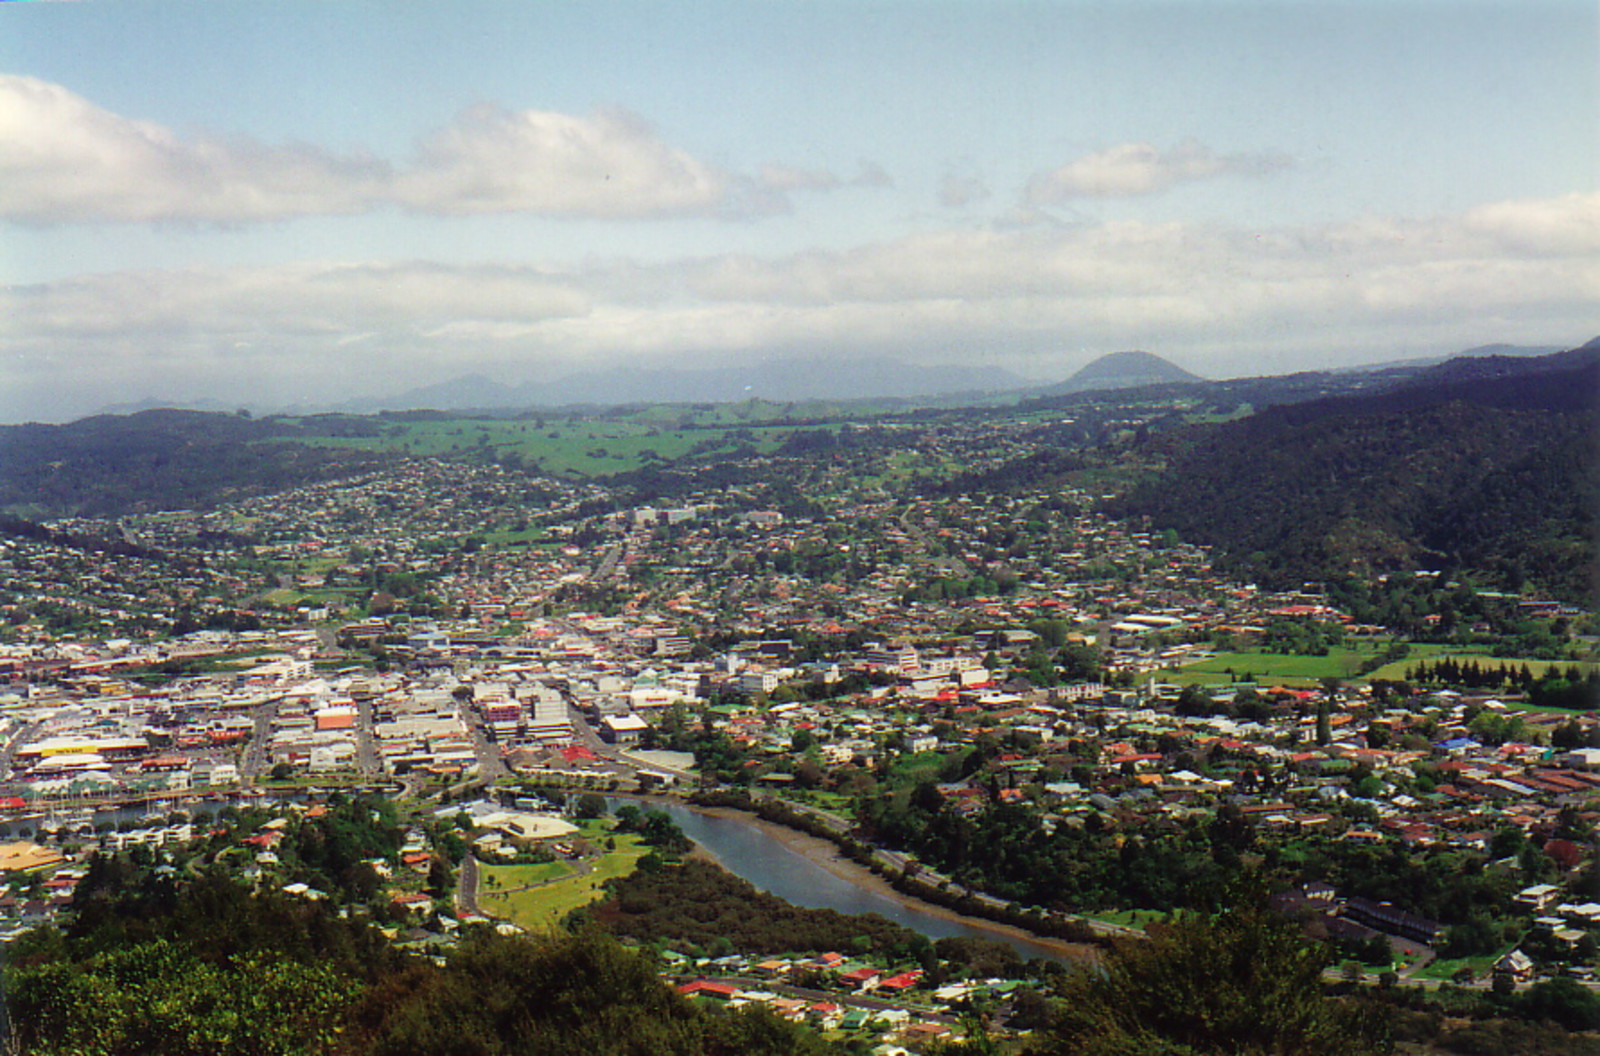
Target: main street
[[490, 766], [255, 753]]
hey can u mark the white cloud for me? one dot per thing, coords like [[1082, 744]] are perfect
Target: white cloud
[[1569, 224], [65, 160], [1131, 169], [609, 164], [62, 159], [788, 178]]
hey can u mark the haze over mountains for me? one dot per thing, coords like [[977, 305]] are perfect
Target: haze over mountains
[[777, 380]]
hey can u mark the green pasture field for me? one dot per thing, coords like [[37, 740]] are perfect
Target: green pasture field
[[586, 447]]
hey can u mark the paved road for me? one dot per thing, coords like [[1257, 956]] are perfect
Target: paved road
[[490, 766], [614, 758], [24, 734], [255, 756], [608, 562], [367, 759]]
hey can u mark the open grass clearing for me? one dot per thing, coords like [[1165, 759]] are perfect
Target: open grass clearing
[[569, 445], [1129, 918], [546, 906], [1445, 969], [919, 767], [1285, 668]]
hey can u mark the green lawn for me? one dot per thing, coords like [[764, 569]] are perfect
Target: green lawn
[[1269, 667], [494, 878], [1129, 918], [915, 769], [545, 907], [1296, 669], [1444, 969]]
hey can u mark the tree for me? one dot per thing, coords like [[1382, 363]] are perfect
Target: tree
[[1240, 982], [441, 879], [1194, 700], [1563, 1000]]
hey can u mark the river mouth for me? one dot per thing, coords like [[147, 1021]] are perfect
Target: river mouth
[[809, 871]]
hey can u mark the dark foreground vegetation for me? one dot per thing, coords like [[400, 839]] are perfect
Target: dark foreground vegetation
[[698, 906], [210, 968], [157, 965]]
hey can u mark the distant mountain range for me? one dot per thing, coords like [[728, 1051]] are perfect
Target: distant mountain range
[[778, 381], [796, 379], [1480, 351]]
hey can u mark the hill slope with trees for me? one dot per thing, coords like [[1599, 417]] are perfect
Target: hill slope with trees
[[165, 459], [1481, 465]]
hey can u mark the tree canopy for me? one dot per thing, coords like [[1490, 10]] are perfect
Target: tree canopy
[[1241, 982]]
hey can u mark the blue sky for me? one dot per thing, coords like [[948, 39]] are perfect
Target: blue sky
[[281, 202]]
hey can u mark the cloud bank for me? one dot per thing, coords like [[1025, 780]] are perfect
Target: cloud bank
[[1220, 298], [65, 160]]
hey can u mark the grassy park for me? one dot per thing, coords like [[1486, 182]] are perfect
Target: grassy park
[[1285, 668], [1294, 669], [540, 896]]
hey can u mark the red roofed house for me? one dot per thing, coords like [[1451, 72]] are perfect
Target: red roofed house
[[860, 977], [903, 981], [709, 988]]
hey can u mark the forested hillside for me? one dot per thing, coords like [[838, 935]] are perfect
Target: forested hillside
[[154, 460], [1477, 464]]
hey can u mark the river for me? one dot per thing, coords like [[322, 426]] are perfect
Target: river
[[746, 849]]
